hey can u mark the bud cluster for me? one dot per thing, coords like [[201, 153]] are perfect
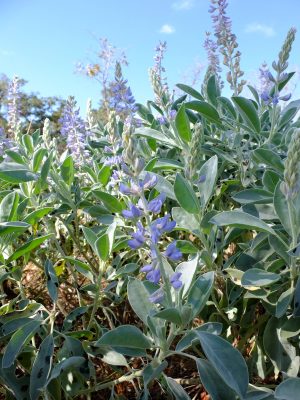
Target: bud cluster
[[227, 43], [292, 164]]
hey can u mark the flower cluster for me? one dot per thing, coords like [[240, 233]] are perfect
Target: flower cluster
[[213, 68], [13, 112], [148, 235], [265, 84], [74, 129], [162, 120], [271, 91], [291, 184], [113, 156], [227, 43], [160, 50], [122, 99], [158, 81], [284, 53]]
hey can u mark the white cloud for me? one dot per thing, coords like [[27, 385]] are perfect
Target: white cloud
[[183, 5], [6, 53], [168, 29], [260, 28]]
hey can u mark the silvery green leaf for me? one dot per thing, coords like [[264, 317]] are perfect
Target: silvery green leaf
[[177, 389], [41, 367], [138, 297], [288, 389], [200, 292], [227, 361], [17, 342], [208, 171], [187, 270], [213, 382]]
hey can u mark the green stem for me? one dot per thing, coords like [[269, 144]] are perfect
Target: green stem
[[273, 123], [294, 237], [101, 386], [220, 311], [78, 245], [96, 300]]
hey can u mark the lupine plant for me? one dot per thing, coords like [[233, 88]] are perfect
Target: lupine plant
[[167, 237]]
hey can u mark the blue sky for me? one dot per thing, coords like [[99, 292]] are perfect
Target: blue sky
[[42, 40]]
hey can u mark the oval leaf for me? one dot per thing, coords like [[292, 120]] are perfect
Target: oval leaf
[[227, 361], [185, 195]]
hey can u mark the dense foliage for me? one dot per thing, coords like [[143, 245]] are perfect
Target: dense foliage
[[170, 233]]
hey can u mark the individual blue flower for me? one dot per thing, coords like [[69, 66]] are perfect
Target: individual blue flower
[[156, 204], [153, 276], [160, 226], [138, 237], [201, 179], [157, 296], [137, 188], [175, 280], [133, 212], [172, 252], [124, 189], [147, 268], [132, 189], [162, 120], [172, 114], [286, 97], [149, 181], [265, 97]]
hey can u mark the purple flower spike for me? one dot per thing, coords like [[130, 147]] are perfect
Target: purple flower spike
[[133, 212], [172, 252], [156, 204], [153, 276], [74, 129], [175, 280], [157, 296]]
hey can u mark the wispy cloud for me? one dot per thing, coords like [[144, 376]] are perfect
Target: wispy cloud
[[260, 28], [167, 29], [6, 53], [183, 5]]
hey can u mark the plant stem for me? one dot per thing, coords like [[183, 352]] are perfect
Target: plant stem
[[294, 237], [124, 378], [96, 299]]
